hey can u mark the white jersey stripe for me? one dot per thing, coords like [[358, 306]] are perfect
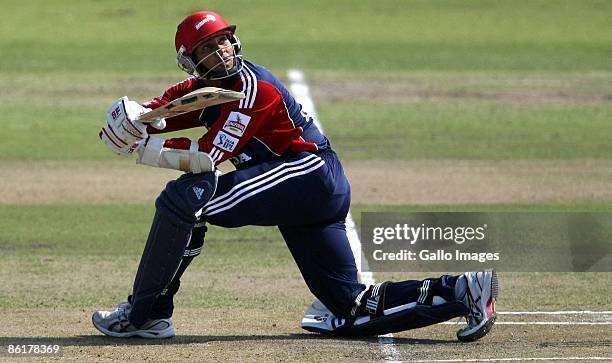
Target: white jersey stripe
[[220, 203], [214, 154], [252, 186], [267, 186], [241, 104], [261, 176], [249, 88], [238, 187], [254, 95]]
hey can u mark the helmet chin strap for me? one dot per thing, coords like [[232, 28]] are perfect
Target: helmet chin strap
[[228, 72]]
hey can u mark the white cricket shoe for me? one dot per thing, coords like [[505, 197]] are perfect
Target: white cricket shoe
[[318, 318], [116, 324], [480, 296]]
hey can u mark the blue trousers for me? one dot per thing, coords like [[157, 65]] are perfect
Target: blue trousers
[[308, 197]]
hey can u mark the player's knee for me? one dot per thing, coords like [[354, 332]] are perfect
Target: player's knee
[[184, 197]]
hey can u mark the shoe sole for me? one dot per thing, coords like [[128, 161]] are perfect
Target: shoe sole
[[494, 285], [488, 325], [484, 330], [146, 334], [313, 329]]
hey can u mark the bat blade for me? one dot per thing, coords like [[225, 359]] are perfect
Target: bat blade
[[196, 100]]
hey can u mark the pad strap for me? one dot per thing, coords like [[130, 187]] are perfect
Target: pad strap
[[427, 289], [375, 304], [374, 301]]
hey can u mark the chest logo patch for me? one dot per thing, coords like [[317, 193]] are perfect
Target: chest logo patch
[[236, 123], [225, 141]]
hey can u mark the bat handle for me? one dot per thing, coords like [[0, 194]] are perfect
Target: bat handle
[[142, 118]]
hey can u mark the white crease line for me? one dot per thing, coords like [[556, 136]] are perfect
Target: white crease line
[[552, 323], [300, 90], [583, 315], [542, 323], [522, 359], [562, 312]]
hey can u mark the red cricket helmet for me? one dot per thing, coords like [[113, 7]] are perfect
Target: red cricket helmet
[[197, 28]]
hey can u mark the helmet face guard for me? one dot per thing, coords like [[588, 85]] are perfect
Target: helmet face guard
[[197, 28], [219, 70]]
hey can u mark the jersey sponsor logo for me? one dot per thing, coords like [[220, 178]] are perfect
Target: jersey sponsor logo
[[240, 158], [236, 123], [225, 141], [206, 19]]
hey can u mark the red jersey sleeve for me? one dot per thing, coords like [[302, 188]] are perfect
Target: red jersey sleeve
[[236, 126]]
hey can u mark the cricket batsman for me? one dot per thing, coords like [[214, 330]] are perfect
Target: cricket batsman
[[287, 175]]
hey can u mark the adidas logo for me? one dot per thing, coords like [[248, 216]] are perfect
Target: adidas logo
[[198, 192]]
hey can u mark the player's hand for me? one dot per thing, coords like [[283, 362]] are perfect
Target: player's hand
[[122, 133]]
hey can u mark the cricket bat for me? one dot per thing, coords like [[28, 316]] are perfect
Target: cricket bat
[[196, 100]]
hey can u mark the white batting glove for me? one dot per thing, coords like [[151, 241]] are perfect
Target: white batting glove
[[122, 133]]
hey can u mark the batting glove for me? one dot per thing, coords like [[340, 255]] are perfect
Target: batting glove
[[123, 133]]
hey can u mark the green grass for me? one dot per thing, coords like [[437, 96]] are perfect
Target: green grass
[[83, 229], [52, 133], [57, 133], [62, 256], [91, 36], [462, 130], [121, 229], [45, 244], [427, 130], [64, 62]]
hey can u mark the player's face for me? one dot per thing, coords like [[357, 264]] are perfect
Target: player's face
[[215, 54]]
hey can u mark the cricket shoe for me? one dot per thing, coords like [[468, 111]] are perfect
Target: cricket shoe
[[319, 319], [480, 296], [116, 324]]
